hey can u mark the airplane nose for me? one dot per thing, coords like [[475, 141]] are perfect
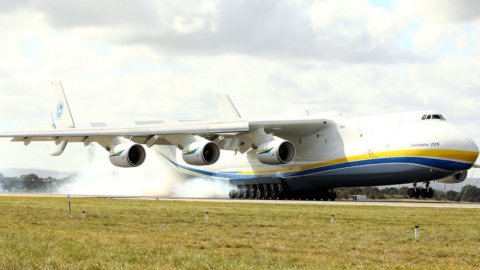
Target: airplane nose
[[455, 139], [473, 148]]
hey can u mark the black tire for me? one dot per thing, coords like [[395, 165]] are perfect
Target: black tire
[[333, 196], [267, 192], [411, 192], [252, 193], [245, 193], [424, 193], [232, 194], [281, 190], [259, 194], [430, 193], [274, 194], [417, 193], [324, 195]]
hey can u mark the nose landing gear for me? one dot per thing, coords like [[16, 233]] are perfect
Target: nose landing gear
[[424, 193]]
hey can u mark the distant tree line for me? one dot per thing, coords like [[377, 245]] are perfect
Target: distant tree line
[[34, 183], [469, 193], [30, 183]]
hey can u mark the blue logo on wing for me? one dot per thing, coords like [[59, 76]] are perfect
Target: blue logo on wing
[[60, 109]]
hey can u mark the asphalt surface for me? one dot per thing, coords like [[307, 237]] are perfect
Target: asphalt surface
[[403, 203]]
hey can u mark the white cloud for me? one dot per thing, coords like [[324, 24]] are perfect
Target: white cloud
[[441, 11], [166, 60]]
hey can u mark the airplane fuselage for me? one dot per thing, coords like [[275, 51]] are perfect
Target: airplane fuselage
[[363, 151], [276, 158]]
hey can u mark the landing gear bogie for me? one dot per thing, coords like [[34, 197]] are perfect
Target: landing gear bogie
[[278, 191], [424, 193]]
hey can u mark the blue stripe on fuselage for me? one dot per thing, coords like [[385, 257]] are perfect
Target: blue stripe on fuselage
[[441, 164]]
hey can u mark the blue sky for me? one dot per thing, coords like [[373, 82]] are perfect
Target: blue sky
[[387, 4]]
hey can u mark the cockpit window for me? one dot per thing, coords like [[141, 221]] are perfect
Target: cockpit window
[[433, 117]]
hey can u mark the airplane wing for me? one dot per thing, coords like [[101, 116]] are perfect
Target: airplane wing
[[282, 128], [80, 135], [232, 133]]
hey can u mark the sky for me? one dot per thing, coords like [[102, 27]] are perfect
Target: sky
[[122, 61]]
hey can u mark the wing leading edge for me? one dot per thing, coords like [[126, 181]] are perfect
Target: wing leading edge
[[282, 128]]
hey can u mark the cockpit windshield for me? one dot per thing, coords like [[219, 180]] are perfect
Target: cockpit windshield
[[433, 117]]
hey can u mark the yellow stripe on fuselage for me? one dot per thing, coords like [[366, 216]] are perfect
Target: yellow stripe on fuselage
[[454, 155]]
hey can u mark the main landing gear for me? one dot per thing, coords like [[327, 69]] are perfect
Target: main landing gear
[[424, 193], [278, 192]]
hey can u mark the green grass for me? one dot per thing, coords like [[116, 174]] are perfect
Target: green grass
[[38, 233]]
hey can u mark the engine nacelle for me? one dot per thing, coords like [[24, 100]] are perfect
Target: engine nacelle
[[201, 153], [127, 155], [454, 179], [276, 152]]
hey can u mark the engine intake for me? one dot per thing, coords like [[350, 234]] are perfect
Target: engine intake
[[127, 155], [276, 152], [201, 153], [454, 179]]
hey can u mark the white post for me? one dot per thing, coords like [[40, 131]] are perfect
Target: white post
[[206, 216], [333, 219], [417, 232]]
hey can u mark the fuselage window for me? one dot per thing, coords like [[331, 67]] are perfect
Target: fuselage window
[[429, 117], [424, 117]]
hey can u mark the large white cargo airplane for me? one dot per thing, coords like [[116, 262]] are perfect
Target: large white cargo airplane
[[299, 157]]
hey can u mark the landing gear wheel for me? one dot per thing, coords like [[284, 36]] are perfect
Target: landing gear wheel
[[423, 193], [232, 194], [245, 193], [274, 194], [252, 193], [324, 195], [417, 193], [281, 191], [411, 192], [259, 194], [333, 196], [267, 192], [430, 192]]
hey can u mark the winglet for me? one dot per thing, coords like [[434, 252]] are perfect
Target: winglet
[[227, 108], [61, 116]]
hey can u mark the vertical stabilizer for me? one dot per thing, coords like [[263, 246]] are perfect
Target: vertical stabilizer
[[227, 108], [61, 116]]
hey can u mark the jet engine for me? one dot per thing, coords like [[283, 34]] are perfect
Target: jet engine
[[276, 152], [201, 153], [454, 179], [127, 155]]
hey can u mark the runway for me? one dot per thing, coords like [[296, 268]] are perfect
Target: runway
[[402, 203], [336, 203]]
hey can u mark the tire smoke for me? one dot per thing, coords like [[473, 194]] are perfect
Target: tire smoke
[[156, 177]]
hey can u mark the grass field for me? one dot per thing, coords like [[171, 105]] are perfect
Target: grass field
[[38, 233]]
